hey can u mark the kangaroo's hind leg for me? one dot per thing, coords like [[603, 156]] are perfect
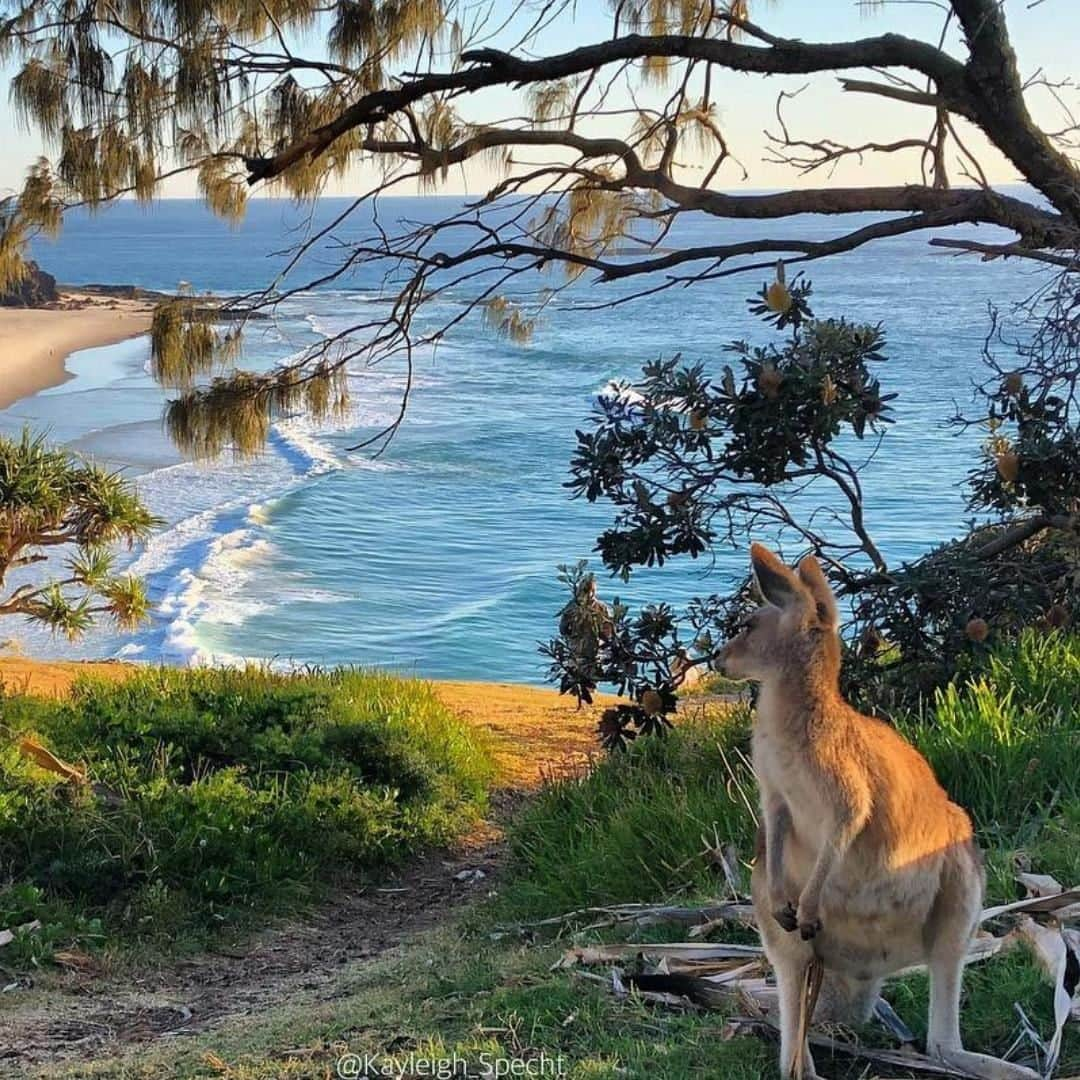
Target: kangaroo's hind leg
[[951, 925]]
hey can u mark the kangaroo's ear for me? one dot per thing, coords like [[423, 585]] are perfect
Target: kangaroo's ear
[[777, 582], [813, 577]]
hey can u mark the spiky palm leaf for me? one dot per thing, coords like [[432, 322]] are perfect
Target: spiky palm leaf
[[51, 500]]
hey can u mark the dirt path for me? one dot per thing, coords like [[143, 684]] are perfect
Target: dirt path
[[90, 1012]]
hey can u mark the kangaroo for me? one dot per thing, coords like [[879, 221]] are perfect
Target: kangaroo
[[863, 861]]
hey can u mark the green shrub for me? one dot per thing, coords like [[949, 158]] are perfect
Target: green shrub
[[636, 826], [217, 792]]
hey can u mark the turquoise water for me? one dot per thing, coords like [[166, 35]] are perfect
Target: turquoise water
[[440, 557]]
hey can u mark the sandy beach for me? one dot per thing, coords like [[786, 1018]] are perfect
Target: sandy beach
[[35, 342]]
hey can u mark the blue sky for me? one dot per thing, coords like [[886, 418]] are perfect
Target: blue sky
[[1046, 37]]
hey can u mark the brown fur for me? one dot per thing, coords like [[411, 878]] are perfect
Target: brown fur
[[866, 862]]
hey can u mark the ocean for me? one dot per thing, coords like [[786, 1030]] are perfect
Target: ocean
[[440, 556]]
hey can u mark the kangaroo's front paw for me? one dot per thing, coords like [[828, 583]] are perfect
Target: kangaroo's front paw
[[787, 917], [808, 920]]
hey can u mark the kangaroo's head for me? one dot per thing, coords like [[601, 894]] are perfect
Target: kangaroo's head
[[795, 633]]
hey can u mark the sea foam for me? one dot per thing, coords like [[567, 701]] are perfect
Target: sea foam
[[198, 569]]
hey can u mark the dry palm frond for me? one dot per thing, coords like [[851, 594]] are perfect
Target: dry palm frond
[[230, 413], [700, 122], [182, 343], [649, 133], [594, 217], [200, 94]]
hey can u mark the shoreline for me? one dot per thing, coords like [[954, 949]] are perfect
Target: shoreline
[[36, 342]]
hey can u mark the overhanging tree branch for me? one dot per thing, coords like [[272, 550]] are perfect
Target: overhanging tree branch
[[495, 68], [600, 150]]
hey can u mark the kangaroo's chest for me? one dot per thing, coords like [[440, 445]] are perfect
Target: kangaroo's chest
[[783, 773]]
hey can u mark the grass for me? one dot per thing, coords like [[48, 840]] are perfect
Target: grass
[[1006, 745], [636, 826], [220, 794], [445, 998]]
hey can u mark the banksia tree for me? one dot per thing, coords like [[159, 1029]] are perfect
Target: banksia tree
[[710, 454], [52, 503], [701, 455]]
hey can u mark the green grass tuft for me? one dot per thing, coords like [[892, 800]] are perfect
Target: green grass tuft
[[1006, 744]]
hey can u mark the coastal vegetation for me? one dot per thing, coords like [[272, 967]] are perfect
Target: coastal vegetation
[[698, 452], [160, 806], [694, 456], [671, 821], [53, 501], [1004, 743], [155, 812]]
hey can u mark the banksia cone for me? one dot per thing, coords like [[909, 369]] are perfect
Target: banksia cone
[[977, 629], [1008, 466], [769, 382], [777, 298], [676, 499], [652, 702], [1014, 383], [698, 420]]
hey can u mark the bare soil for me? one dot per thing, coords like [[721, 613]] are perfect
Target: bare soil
[[87, 1012]]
